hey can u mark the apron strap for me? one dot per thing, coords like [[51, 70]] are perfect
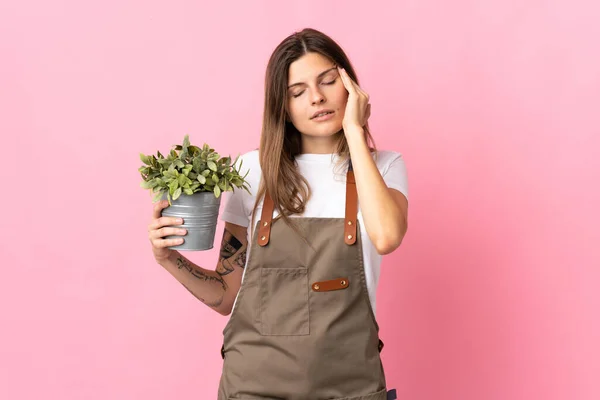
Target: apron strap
[[266, 217], [264, 230], [351, 207]]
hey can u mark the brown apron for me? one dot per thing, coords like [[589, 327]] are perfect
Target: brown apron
[[303, 327]]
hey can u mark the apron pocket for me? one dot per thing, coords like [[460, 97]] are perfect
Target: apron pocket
[[284, 301]]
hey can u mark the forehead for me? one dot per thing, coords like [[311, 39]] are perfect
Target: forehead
[[308, 67]]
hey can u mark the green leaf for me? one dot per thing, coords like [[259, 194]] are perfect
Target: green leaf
[[160, 184], [145, 159], [177, 193], [212, 165], [183, 155], [188, 191], [158, 196], [217, 191], [196, 164], [202, 179], [182, 178], [168, 174], [186, 170], [146, 185], [173, 186]]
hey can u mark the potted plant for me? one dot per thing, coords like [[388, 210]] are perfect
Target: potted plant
[[192, 180]]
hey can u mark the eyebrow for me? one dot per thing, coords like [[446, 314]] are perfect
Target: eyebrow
[[318, 76]]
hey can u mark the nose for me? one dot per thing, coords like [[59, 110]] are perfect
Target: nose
[[317, 97]]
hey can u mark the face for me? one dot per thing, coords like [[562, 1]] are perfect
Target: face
[[314, 85]]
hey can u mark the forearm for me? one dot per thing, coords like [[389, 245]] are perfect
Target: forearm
[[384, 220], [208, 286]]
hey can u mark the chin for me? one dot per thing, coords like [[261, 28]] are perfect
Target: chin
[[327, 130], [323, 133], [322, 130]]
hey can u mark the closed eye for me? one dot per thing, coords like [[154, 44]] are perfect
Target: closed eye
[[324, 83]]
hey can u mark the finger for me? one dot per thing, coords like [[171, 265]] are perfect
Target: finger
[[164, 221], [356, 86], [357, 89], [343, 77], [164, 232], [162, 243], [360, 91], [353, 83], [158, 207], [346, 80]]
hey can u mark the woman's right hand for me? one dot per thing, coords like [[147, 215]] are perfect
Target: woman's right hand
[[159, 228]]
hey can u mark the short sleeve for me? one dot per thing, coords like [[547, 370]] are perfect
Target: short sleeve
[[239, 202], [395, 176], [235, 210]]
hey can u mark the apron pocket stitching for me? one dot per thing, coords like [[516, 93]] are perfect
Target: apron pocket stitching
[[284, 301]]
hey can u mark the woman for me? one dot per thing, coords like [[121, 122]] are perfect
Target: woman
[[303, 323]]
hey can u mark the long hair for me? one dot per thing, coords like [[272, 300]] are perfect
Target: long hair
[[280, 141]]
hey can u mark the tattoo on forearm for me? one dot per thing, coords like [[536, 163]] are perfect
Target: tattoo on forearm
[[214, 304], [233, 253], [185, 264]]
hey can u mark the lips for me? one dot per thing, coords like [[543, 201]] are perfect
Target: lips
[[320, 112]]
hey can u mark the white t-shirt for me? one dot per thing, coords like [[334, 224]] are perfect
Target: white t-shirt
[[327, 182]]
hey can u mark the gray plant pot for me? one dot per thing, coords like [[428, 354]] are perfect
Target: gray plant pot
[[199, 212]]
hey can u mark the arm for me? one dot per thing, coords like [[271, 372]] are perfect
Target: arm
[[384, 210], [216, 288]]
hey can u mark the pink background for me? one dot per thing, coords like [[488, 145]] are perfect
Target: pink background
[[495, 105]]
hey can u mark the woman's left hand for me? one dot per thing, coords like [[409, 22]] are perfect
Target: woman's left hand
[[358, 109]]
